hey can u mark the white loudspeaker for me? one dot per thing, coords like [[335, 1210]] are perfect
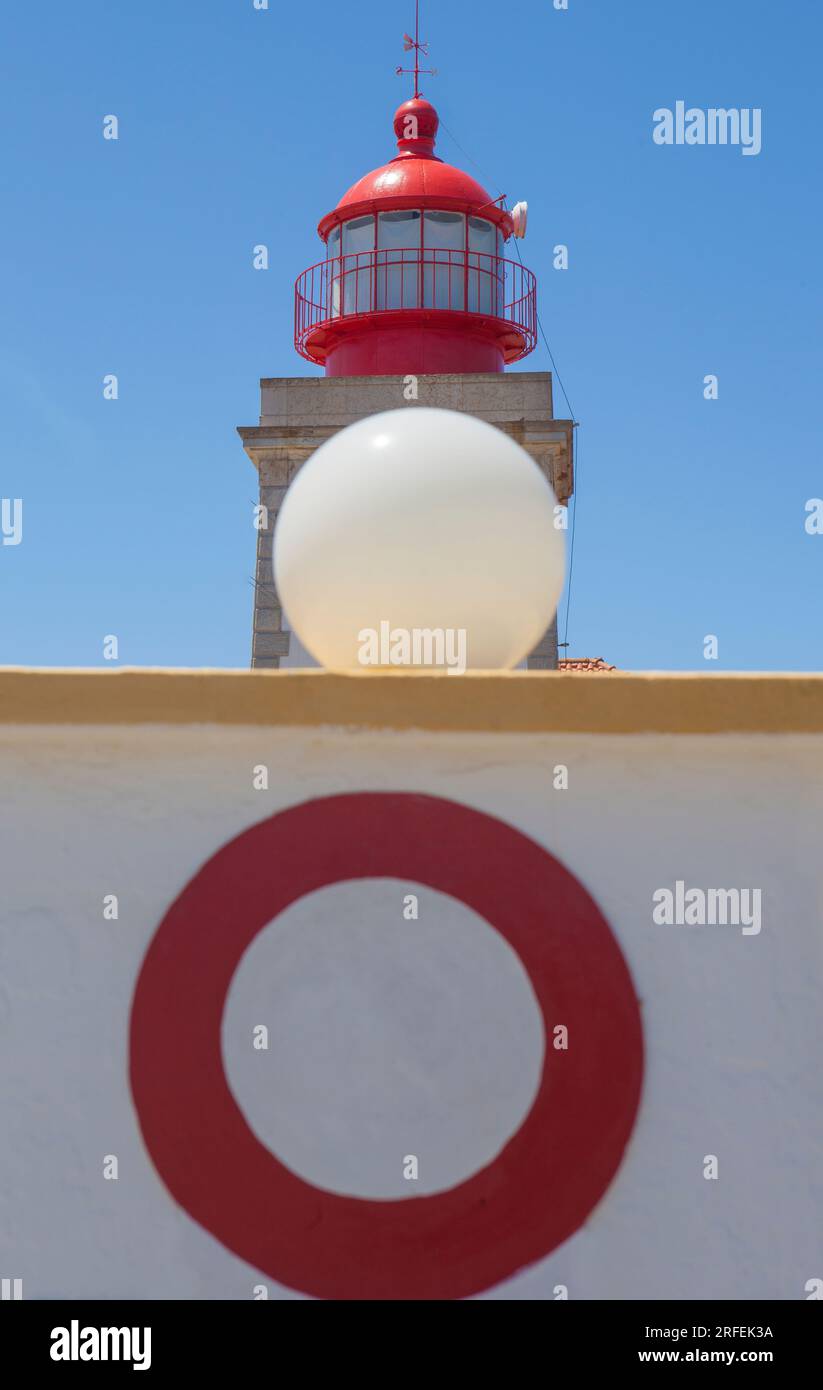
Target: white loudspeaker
[[520, 217]]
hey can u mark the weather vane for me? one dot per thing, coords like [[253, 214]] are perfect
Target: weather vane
[[410, 43]]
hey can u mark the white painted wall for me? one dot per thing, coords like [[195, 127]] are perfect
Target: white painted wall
[[422, 1037]]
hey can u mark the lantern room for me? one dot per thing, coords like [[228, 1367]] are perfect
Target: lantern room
[[415, 277]]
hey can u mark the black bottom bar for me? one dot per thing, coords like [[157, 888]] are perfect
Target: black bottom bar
[[393, 1340]]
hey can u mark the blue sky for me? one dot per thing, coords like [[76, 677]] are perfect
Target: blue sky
[[239, 127]]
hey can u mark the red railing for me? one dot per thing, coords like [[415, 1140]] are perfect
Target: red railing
[[373, 282]]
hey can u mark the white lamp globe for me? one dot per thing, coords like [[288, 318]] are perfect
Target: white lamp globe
[[413, 521]]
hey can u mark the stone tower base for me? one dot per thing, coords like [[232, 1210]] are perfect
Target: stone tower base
[[297, 414]]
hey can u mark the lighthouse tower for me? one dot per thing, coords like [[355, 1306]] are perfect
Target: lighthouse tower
[[414, 300]]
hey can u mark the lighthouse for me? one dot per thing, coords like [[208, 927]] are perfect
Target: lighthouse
[[416, 298]]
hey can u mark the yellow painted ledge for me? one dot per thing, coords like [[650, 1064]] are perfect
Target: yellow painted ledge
[[511, 701]]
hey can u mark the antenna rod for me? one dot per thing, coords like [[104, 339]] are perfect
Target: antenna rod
[[408, 44]]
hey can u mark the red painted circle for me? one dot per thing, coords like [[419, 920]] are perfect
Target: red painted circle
[[549, 1175]]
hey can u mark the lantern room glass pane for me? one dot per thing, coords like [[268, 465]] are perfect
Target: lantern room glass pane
[[444, 260], [398, 260], [485, 268], [398, 229], [482, 235], [501, 276], [333, 273], [445, 229], [358, 235], [358, 264]]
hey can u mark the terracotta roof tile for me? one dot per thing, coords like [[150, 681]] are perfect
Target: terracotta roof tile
[[584, 663]]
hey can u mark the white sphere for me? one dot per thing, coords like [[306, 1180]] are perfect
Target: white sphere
[[419, 519]]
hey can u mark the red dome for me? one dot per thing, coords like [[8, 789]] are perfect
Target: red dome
[[416, 177]]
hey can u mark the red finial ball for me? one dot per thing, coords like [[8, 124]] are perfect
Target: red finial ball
[[415, 124]]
